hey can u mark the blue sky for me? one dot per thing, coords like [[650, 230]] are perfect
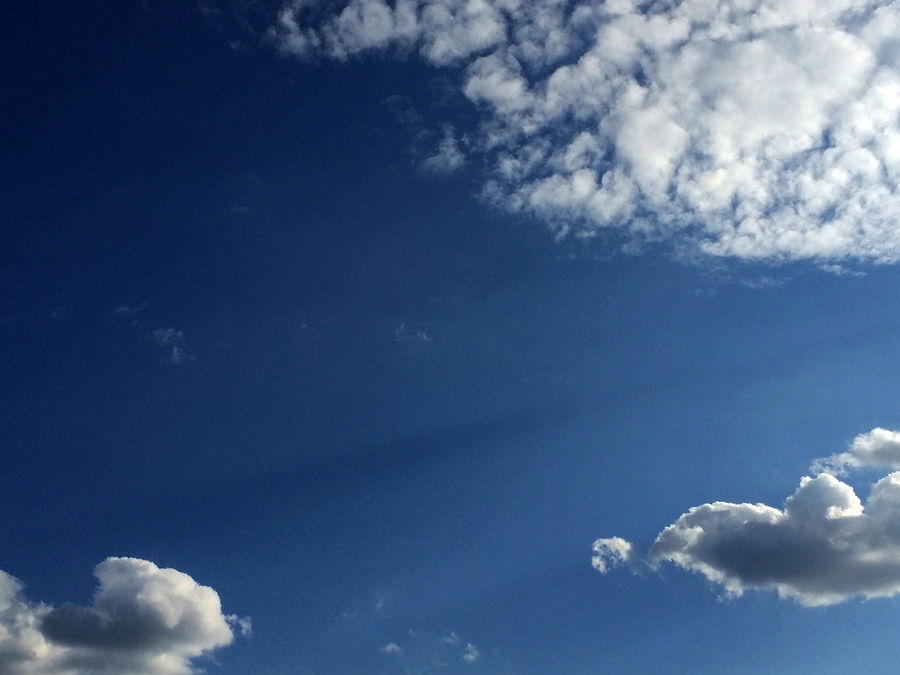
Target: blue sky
[[337, 334]]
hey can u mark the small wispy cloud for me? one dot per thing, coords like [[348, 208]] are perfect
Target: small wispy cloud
[[876, 448], [126, 311], [168, 336], [841, 271], [448, 156], [423, 651], [392, 648], [173, 340], [62, 312], [180, 355], [469, 652], [403, 332]]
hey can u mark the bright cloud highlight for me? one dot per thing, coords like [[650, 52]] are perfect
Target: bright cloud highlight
[[759, 130]]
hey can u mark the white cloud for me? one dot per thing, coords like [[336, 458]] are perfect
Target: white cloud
[[180, 355], [144, 621], [392, 648], [756, 130], [173, 340], [823, 547], [877, 448]]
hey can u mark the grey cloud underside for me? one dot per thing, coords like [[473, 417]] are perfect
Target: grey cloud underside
[[144, 620], [823, 547], [754, 129]]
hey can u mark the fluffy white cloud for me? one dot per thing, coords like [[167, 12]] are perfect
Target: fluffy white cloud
[[877, 448], [392, 648], [144, 621], [611, 552], [824, 546], [753, 129]]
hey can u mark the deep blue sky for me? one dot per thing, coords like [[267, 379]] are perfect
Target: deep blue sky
[[399, 412]]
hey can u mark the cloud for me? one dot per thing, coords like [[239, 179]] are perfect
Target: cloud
[[168, 336], [756, 130], [448, 156], [823, 547], [470, 653], [173, 340], [877, 448], [841, 271], [609, 553], [402, 332], [125, 311], [144, 620], [180, 355], [426, 652]]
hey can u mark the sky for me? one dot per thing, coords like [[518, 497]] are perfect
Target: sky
[[462, 336]]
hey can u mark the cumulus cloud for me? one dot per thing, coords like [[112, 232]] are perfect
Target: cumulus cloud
[[877, 448], [144, 620], [760, 130], [823, 547]]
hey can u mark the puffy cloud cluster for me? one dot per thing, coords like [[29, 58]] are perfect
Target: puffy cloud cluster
[[756, 129], [824, 546], [144, 621], [612, 552]]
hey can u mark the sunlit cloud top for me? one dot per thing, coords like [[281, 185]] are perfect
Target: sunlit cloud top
[[757, 130]]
